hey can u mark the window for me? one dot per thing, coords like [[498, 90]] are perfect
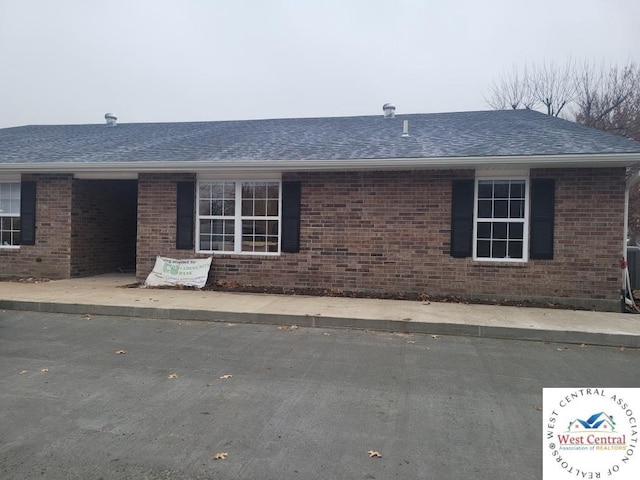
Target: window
[[501, 220], [9, 214], [239, 217]]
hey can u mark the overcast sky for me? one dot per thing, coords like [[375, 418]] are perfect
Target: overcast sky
[[71, 61]]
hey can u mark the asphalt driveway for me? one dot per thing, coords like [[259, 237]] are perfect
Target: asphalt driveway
[[96, 397]]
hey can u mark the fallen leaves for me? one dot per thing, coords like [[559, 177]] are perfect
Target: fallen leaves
[[172, 376], [220, 455], [25, 372], [374, 454], [223, 377], [288, 327]]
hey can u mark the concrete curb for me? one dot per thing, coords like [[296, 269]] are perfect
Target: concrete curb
[[316, 321]]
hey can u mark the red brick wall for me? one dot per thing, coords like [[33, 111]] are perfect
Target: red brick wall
[[103, 234], [389, 232], [50, 256], [377, 232], [589, 233], [157, 219], [384, 232]]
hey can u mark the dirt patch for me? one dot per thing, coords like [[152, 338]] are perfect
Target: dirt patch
[[25, 280], [233, 286]]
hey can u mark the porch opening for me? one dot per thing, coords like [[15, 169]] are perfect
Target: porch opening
[[103, 226]]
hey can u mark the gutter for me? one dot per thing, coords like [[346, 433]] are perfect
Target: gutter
[[302, 165]]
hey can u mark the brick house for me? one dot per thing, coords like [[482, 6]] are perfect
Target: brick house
[[482, 205]]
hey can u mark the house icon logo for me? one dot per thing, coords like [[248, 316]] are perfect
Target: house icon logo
[[591, 433], [598, 422]]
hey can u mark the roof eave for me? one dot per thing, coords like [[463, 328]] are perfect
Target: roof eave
[[300, 165]]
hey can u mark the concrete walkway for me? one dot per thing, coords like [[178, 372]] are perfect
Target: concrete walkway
[[108, 295]]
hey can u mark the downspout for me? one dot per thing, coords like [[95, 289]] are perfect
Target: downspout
[[625, 230], [624, 263]]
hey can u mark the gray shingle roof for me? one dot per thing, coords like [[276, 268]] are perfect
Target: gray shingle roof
[[464, 134]]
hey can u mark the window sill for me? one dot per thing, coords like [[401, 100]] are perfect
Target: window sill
[[216, 253], [500, 263]]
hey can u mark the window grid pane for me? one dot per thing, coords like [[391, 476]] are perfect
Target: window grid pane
[[250, 208], [9, 231], [500, 239], [501, 206], [217, 199], [9, 214], [216, 212], [260, 222], [9, 199], [217, 235], [259, 235], [501, 199]]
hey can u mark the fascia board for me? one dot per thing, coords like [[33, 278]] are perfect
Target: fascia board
[[434, 163]]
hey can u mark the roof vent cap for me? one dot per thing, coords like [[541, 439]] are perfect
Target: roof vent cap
[[111, 119], [405, 129], [389, 110]]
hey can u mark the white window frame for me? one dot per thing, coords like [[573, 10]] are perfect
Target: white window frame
[[5, 183], [525, 220], [238, 218]]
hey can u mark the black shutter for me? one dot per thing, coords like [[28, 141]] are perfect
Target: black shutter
[[184, 223], [291, 194], [462, 218], [542, 216], [28, 213]]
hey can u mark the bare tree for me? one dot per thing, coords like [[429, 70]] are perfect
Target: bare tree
[[547, 86], [512, 90], [608, 99], [626, 119], [554, 86]]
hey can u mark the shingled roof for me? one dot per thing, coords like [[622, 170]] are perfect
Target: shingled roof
[[440, 135]]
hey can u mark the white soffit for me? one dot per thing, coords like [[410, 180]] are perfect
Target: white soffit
[[106, 175], [229, 174], [14, 177]]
